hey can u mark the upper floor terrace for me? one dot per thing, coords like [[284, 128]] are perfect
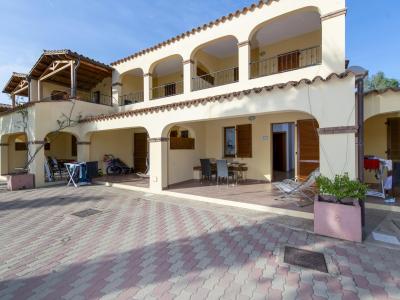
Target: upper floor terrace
[[268, 43], [62, 75]]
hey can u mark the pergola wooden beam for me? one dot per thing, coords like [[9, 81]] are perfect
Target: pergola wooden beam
[[22, 86], [55, 67]]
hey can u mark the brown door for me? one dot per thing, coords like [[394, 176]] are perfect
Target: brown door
[[279, 151], [307, 147], [140, 151], [393, 141]]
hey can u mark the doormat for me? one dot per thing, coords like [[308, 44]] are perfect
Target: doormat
[[306, 259], [86, 213]]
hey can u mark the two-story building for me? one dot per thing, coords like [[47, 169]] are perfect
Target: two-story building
[[266, 85]]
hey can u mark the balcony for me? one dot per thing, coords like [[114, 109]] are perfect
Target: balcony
[[286, 62], [131, 98], [167, 90], [214, 79], [65, 94]]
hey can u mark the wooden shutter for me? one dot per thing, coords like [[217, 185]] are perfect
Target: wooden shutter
[[308, 147], [244, 140], [288, 61], [140, 152], [393, 140]]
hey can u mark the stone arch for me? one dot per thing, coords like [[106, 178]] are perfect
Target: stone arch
[[289, 41], [132, 86]]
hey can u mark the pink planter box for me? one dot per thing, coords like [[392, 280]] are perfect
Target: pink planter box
[[17, 182], [338, 220]]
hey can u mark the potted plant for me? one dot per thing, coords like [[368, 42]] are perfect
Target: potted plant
[[337, 211], [20, 181]]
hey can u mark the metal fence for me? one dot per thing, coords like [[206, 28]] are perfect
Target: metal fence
[[167, 90], [286, 62], [131, 98], [213, 79], [92, 97]]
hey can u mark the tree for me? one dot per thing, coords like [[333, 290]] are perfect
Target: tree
[[379, 82]]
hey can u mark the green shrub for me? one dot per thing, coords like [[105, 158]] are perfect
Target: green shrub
[[341, 187]]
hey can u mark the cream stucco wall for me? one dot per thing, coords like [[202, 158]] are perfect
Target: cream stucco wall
[[131, 84], [60, 146], [116, 142], [119, 143], [303, 41], [181, 162]]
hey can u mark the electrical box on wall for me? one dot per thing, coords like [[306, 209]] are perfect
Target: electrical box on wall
[[264, 138]]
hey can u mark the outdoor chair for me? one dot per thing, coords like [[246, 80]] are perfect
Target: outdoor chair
[[206, 172], [223, 171], [294, 187]]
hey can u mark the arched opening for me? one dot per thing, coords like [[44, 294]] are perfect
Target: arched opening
[[250, 147], [59, 148], [215, 63], [382, 144], [122, 155], [14, 153], [132, 87], [167, 77], [286, 43]]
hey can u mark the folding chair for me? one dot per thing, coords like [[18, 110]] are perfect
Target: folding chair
[[293, 187]]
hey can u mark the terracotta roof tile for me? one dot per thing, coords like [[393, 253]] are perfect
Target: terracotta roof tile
[[216, 98], [193, 31], [383, 91]]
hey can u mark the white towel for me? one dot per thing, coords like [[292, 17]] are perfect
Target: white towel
[[388, 183]]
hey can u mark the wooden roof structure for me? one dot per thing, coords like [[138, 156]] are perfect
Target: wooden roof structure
[[55, 66], [52, 66], [17, 85]]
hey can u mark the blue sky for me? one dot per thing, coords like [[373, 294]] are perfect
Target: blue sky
[[108, 30]]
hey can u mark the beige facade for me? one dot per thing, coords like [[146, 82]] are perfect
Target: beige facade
[[306, 79]]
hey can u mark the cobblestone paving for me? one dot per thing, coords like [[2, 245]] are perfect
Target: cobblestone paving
[[143, 249]]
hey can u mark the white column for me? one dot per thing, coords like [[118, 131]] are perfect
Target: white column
[[158, 163], [39, 90], [3, 158], [33, 90], [13, 100], [83, 151], [244, 61], [333, 41], [36, 149], [188, 74], [147, 86], [338, 153], [116, 93]]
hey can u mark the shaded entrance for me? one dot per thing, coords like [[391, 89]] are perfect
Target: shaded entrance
[[283, 153]]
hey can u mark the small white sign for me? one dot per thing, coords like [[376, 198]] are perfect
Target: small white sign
[[265, 138]]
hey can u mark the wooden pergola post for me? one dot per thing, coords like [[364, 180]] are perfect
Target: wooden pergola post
[[13, 100], [74, 67]]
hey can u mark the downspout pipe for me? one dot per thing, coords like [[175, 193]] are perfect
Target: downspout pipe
[[360, 74]]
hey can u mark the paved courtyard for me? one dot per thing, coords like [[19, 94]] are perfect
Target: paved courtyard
[[142, 246]]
